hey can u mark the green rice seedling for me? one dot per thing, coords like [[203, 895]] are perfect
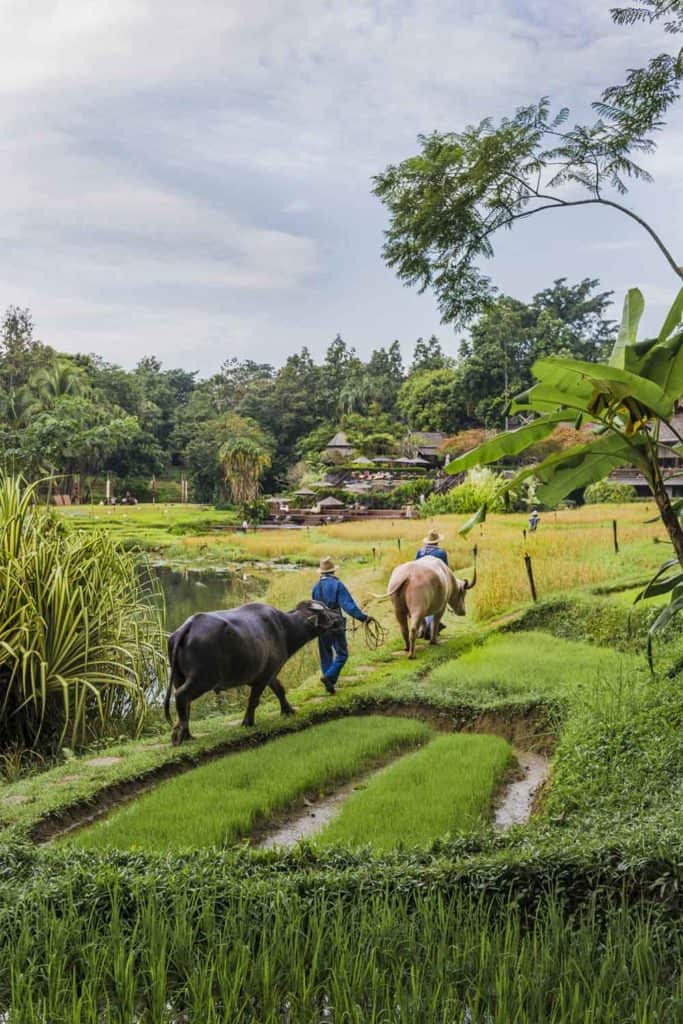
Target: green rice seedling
[[81, 644], [445, 788], [529, 667], [217, 804], [278, 954]]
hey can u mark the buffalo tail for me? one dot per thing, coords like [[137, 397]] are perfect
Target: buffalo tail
[[174, 642], [390, 593]]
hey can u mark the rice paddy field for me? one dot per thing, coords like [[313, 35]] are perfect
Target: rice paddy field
[[410, 904]]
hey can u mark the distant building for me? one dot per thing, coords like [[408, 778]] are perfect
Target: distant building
[[329, 505], [339, 445], [670, 462], [427, 446]]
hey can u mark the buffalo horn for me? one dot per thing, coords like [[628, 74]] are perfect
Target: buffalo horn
[[468, 586]]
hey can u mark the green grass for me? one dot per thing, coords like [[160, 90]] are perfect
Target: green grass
[[445, 788], [223, 801], [200, 954], [528, 667]]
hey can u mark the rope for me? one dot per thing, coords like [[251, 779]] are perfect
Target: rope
[[374, 633]]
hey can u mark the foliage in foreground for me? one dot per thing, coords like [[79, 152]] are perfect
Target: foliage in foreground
[[627, 401], [80, 634], [223, 801], [242, 955]]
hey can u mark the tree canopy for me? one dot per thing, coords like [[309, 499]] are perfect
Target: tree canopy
[[447, 202]]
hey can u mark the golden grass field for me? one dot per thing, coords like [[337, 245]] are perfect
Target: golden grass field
[[571, 549]]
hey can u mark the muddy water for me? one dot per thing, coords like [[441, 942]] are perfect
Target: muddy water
[[314, 816], [518, 799]]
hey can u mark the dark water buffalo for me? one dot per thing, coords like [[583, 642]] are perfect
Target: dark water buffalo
[[246, 646]]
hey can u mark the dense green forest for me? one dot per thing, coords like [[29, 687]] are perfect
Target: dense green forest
[[79, 416]]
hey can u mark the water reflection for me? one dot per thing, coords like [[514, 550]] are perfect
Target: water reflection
[[188, 591]]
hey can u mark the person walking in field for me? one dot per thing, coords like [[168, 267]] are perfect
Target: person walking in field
[[534, 520], [430, 546], [334, 651]]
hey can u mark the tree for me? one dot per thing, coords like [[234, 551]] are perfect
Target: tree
[[446, 204], [244, 456], [58, 378], [429, 355], [20, 352], [510, 335], [228, 455], [626, 401], [428, 401]]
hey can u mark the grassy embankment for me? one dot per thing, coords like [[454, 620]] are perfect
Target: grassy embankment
[[221, 802], [425, 936], [444, 789]]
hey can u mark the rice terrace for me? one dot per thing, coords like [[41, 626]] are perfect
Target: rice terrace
[[341, 651]]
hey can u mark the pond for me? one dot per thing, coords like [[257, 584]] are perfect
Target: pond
[[187, 591]]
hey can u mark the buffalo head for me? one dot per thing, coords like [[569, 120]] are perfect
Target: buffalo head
[[319, 616], [457, 599]]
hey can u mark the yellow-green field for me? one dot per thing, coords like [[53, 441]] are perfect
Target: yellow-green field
[[571, 550]]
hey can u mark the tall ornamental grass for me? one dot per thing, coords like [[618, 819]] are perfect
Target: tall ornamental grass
[[81, 640]]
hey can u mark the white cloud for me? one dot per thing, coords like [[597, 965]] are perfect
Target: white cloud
[[159, 156]]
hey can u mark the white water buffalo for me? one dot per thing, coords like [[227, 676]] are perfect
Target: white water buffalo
[[246, 646], [425, 587]]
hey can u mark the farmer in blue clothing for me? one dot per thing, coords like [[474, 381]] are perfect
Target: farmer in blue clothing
[[334, 652], [430, 546]]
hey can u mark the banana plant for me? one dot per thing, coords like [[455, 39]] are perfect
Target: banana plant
[[625, 401]]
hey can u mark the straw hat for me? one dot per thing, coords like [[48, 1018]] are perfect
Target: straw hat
[[327, 565], [432, 537]]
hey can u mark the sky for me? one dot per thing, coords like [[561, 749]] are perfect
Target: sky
[[194, 180]]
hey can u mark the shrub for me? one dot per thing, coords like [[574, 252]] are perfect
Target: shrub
[[606, 492], [479, 486], [80, 636]]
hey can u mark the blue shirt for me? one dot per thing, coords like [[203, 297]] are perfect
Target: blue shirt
[[434, 551], [334, 594]]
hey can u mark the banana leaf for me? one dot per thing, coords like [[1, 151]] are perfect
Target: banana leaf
[[673, 317], [583, 464], [634, 304], [510, 443], [602, 386]]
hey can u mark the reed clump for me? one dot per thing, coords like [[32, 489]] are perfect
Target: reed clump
[[81, 641]]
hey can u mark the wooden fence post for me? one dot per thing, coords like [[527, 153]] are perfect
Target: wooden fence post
[[398, 541], [614, 537], [530, 574]]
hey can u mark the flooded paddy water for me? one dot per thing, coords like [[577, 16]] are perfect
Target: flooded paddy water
[[188, 590]]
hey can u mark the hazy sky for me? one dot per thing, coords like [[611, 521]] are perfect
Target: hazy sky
[[194, 180]]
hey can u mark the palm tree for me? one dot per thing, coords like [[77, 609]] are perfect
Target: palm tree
[[243, 463], [56, 380]]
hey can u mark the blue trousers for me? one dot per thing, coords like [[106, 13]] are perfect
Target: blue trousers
[[334, 653]]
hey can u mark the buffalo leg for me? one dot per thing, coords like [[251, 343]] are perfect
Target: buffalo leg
[[182, 705], [279, 691], [401, 614], [254, 698], [415, 623], [436, 622]]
